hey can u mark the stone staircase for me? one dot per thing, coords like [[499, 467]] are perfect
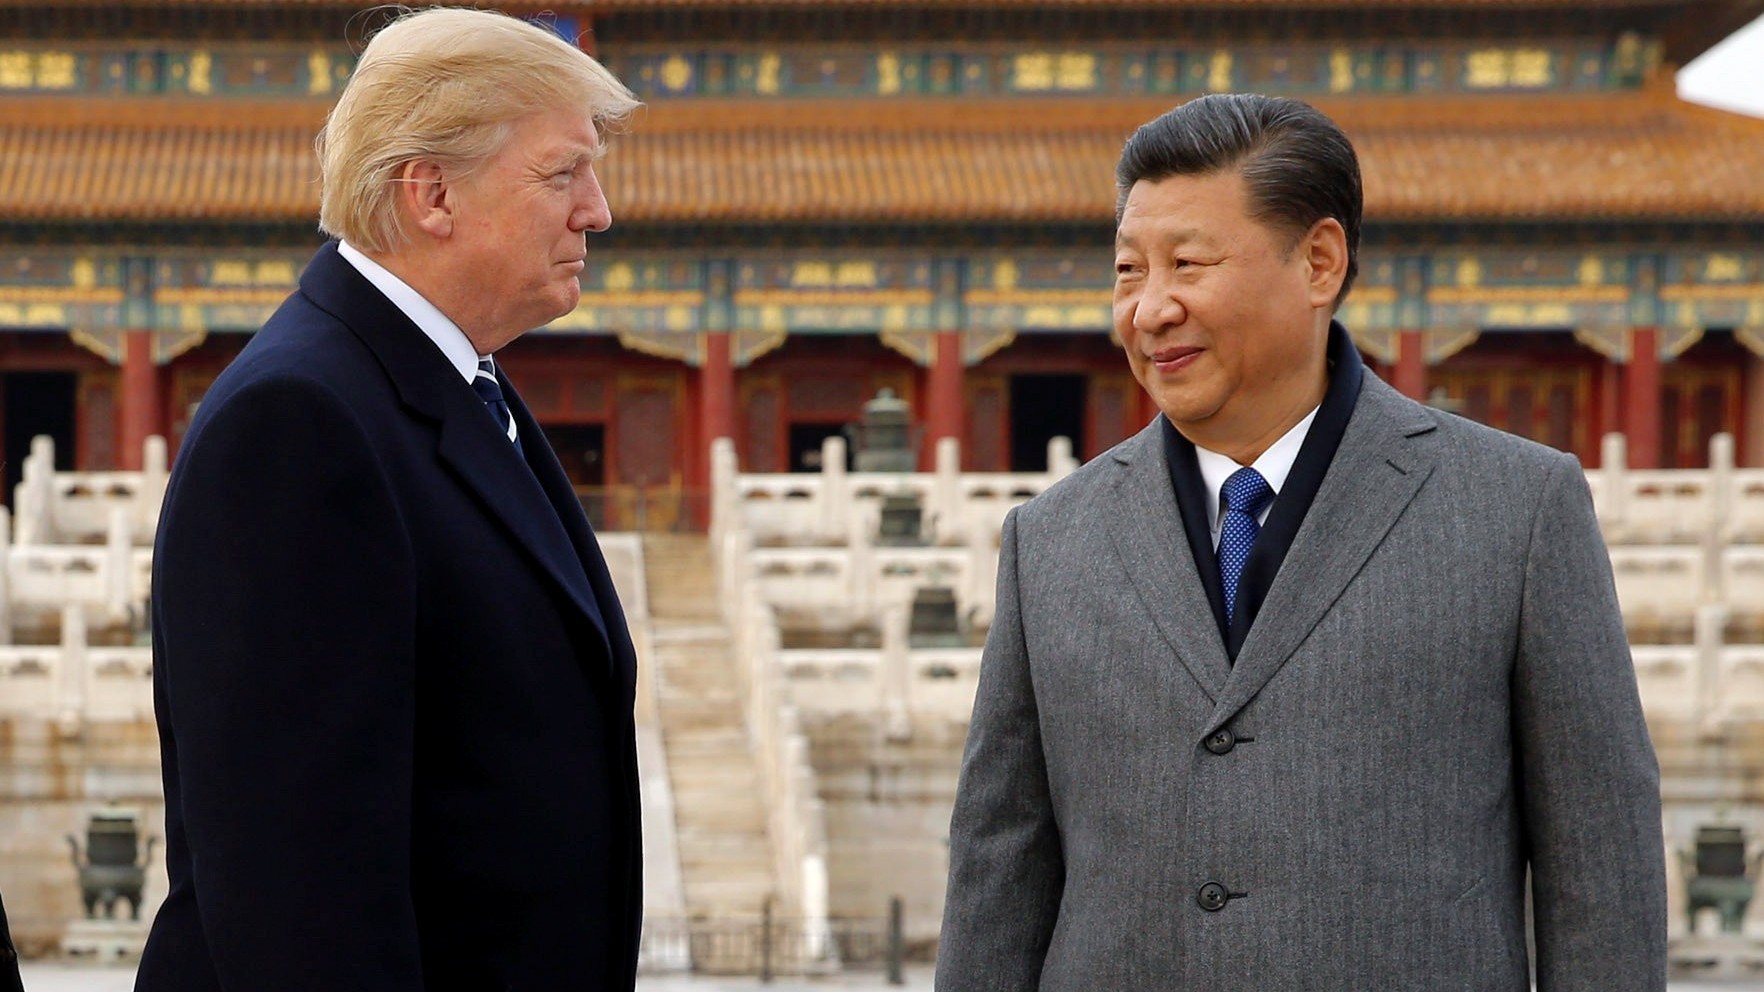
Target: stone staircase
[[724, 846]]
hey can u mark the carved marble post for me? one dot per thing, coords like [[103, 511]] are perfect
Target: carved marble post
[[117, 548], [835, 495]]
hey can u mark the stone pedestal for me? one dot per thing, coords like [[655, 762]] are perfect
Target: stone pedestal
[[104, 941], [1719, 956]]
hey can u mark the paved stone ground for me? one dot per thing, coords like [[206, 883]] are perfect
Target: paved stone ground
[[44, 977], [59, 978]]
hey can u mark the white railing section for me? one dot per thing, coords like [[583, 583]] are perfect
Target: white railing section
[[76, 569]]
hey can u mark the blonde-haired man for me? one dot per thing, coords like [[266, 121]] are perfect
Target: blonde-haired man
[[392, 678]]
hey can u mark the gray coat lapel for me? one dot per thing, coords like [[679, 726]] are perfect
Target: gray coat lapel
[[1375, 475], [1145, 526]]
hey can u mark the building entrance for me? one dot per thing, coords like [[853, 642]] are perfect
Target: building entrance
[[1044, 407], [582, 450], [37, 403], [805, 446]]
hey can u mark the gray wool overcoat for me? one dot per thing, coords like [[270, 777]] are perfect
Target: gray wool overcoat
[[1436, 696]]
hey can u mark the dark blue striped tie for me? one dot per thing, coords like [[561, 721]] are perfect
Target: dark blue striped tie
[[490, 391], [1241, 499]]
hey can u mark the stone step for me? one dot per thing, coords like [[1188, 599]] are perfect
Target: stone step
[[706, 744], [719, 718], [727, 846], [674, 635], [683, 689], [748, 824], [722, 828], [699, 706], [711, 787]]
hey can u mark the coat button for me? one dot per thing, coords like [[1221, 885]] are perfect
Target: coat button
[[1212, 897], [1221, 742]]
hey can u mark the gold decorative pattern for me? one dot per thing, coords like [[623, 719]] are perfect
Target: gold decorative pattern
[[1076, 72], [56, 71], [1341, 71], [887, 74], [1592, 271], [1033, 72], [767, 82], [201, 64], [1219, 73], [1723, 268], [1469, 273], [676, 73], [318, 72], [1502, 68]]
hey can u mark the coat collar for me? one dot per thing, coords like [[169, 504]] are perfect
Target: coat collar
[[468, 442]]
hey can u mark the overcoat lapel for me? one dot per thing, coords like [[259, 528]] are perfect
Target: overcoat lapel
[[481, 455], [1145, 526], [562, 495], [1375, 475], [470, 444]]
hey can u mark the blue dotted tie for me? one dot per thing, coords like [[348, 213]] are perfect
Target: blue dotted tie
[[1241, 501], [490, 391]]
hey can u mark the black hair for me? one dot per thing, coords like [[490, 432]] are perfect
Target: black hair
[[1297, 165]]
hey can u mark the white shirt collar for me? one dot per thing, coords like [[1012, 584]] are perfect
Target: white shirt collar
[[444, 332], [1274, 465]]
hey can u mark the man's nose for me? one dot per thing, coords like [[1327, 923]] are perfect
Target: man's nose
[[592, 213], [1158, 307]]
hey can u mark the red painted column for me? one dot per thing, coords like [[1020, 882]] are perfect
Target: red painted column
[[716, 396], [1411, 366], [1641, 395], [140, 398], [944, 411]]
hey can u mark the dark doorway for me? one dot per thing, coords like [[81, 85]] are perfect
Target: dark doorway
[[582, 450], [805, 446], [37, 403], [1044, 407]]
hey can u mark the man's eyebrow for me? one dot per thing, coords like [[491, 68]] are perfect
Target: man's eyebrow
[[571, 160]]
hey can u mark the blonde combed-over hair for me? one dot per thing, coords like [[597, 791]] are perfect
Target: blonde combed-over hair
[[447, 85]]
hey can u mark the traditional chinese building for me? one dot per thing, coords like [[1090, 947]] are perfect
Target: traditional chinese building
[[827, 198]]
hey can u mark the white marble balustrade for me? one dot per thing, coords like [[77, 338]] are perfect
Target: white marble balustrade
[[73, 682], [60, 508], [1722, 504]]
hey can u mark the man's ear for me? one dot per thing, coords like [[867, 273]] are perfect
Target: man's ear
[[424, 196], [1325, 250]]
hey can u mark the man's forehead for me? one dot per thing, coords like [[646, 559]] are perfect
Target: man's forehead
[[1179, 208]]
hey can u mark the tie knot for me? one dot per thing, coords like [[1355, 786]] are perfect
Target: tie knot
[[484, 382], [1246, 492]]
